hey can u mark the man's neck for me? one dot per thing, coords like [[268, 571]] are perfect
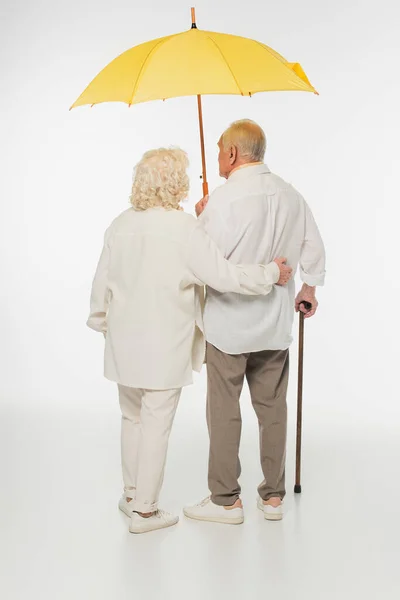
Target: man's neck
[[244, 165]]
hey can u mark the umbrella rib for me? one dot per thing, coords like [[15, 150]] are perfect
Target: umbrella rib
[[227, 64], [136, 85]]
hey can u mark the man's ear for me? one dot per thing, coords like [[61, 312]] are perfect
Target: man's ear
[[232, 155]]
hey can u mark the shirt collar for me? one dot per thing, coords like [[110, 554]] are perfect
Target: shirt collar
[[248, 170]]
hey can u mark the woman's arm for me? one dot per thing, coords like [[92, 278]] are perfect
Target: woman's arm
[[208, 266]]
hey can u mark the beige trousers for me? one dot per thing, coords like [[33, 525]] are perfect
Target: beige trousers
[[147, 417], [267, 376]]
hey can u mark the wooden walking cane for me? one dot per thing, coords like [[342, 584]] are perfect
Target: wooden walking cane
[[297, 487]]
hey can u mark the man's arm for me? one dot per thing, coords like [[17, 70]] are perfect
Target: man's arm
[[200, 206], [99, 299], [312, 265]]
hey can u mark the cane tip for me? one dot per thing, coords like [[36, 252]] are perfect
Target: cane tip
[[297, 489]]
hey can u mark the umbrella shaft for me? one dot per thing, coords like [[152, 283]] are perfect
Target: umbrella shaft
[[203, 152]]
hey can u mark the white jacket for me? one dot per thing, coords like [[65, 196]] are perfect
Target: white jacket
[[147, 295]]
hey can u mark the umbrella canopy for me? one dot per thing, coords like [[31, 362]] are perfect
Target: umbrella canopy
[[193, 63]]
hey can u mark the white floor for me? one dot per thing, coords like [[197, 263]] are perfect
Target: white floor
[[62, 537]]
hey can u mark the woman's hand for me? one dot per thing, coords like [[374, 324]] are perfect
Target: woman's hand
[[285, 271]]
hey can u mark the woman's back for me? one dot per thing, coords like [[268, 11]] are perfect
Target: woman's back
[[151, 314]]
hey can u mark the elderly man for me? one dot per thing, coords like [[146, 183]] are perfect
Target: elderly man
[[252, 218]]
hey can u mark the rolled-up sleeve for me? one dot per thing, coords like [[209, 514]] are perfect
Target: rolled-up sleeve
[[207, 266], [312, 258], [100, 296]]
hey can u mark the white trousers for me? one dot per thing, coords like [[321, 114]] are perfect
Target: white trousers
[[147, 417]]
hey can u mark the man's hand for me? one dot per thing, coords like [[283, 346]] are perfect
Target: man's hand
[[200, 206], [306, 294], [285, 271]]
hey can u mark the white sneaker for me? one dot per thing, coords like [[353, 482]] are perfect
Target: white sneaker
[[271, 513], [160, 520], [125, 506], [208, 511]]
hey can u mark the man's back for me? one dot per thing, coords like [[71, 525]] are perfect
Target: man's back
[[253, 218]]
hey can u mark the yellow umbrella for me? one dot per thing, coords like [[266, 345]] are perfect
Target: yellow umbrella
[[194, 63]]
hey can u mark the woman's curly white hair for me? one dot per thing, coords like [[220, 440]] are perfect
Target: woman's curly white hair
[[160, 180]]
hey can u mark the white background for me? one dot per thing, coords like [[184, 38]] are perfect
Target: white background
[[66, 175]]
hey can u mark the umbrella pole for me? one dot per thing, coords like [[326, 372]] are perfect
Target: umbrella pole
[[203, 153]]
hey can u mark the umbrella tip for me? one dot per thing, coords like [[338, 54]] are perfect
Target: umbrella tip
[[193, 11]]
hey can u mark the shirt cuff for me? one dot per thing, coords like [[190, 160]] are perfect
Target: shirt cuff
[[97, 324], [272, 272], [312, 280]]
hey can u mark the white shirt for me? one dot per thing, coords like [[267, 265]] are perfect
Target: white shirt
[[256, 217], [146, 296]]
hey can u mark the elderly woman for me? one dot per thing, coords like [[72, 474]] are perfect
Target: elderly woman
[[147, 300]]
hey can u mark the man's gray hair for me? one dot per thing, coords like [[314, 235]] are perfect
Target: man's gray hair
[[248, 138]]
